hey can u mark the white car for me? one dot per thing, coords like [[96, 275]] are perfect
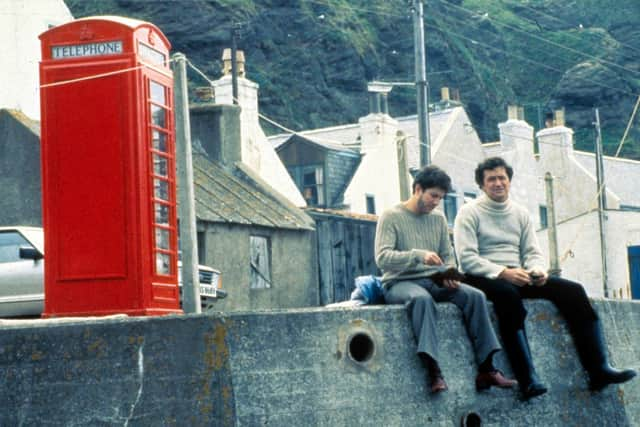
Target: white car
[[22, 273]]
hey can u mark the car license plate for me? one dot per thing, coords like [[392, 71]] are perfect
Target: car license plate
[[207, 290]]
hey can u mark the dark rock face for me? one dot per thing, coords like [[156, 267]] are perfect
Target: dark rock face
[[313, 59]]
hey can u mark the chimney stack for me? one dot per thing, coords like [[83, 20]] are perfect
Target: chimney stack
[[226, 62]]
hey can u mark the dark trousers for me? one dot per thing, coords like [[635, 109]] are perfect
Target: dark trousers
[[569, 297]]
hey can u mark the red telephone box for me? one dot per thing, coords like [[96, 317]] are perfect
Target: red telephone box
[[108, 169]]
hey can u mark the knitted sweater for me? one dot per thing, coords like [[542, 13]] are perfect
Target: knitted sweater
[[404, 237], [490, 236]]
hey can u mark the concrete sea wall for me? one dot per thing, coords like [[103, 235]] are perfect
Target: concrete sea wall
[[307, 367]]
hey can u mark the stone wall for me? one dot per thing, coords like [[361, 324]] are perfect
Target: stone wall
[[304, 367]]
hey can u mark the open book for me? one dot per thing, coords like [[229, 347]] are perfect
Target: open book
[[447, 272]]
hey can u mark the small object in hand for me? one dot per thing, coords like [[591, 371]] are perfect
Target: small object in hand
[[445, 272]]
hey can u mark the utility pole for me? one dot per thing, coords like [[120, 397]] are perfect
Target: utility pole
[[552, 231], [234, 62], [421, 83], [602, 204], [186, 203]]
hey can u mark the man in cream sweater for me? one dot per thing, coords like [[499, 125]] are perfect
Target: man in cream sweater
[[412, 247], [497, 248]]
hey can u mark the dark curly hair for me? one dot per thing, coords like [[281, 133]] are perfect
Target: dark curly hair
[[432, 176], [490, 164]]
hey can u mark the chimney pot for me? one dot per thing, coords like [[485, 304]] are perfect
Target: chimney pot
[[558, 117], [512, 112], [444, 93], [226, 62]]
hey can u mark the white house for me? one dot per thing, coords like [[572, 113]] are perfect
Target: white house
[[381, 180], [257, 152], [21, 21]]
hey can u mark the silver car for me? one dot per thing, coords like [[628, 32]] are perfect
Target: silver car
[[22, 273]]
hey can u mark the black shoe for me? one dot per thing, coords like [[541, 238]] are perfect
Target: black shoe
[[532, 390], [516, 346], [608, 375], [592, 351]]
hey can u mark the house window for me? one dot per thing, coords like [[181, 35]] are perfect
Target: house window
[[371, 204], [312, 185], [469, 196], [543, 217], [260, 253], [450, 207]]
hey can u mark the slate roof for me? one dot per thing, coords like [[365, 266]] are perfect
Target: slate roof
[[226, 197], [322, 143], [346, 136], [19, 116]]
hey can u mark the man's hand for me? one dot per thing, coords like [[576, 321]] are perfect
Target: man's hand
[[538, 277], [431, 258], [517, 276], [451, 284]]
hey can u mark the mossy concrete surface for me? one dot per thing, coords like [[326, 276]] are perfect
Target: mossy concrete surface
[[306, 367]]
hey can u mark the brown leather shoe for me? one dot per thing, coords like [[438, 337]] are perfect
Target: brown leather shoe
[[484, 380], [438, 384]]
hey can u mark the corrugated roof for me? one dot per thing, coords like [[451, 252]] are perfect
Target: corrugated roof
[[221, 196]]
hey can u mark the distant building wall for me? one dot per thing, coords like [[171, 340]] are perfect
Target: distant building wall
[[377, 174], [305, 367], [20, 24], [20, 189], [579, 250], [293, 266]]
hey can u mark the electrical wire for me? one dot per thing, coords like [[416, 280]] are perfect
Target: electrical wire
[[537, 37], [555, 18]]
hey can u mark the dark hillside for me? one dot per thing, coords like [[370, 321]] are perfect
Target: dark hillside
[[313, 58]]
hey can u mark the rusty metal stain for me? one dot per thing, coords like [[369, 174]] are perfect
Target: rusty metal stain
[[136, 340], [38, 355], [216, 356]]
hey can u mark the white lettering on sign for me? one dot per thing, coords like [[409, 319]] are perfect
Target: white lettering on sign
[[89, 49]]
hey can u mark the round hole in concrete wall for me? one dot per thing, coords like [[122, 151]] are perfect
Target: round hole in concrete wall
[[361, 347], [471, 420]]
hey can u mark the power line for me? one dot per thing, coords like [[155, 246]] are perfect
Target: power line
[[532, 61], [555, 18], [576, 51]]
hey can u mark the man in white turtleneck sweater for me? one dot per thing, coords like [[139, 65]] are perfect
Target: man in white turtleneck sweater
[[412, 245], [498, 251]]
